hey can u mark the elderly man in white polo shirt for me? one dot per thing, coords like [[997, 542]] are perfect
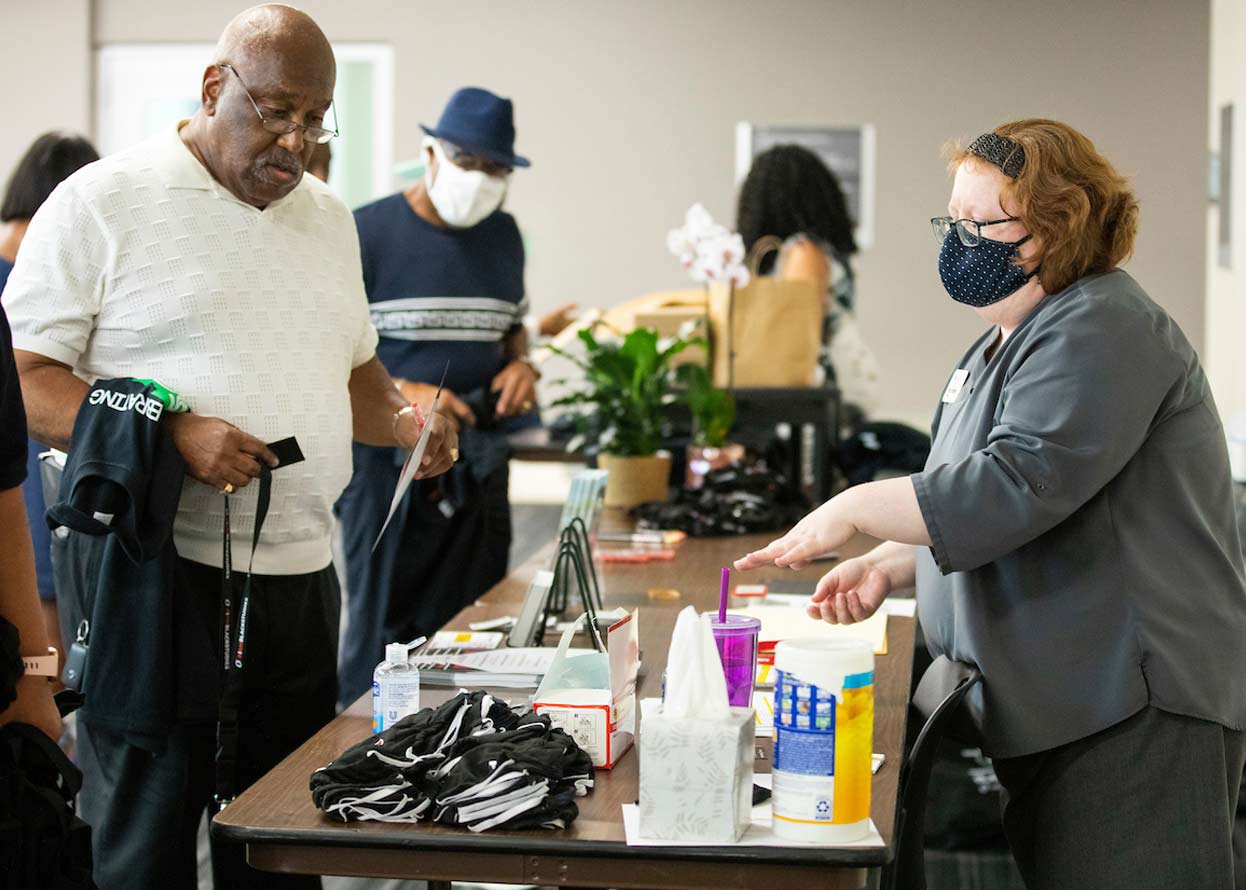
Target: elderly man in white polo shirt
[[206, 259]]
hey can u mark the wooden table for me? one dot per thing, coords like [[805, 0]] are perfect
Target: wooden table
[[284, 832]]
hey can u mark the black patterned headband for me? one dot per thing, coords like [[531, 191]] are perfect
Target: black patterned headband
[[1001, 151]]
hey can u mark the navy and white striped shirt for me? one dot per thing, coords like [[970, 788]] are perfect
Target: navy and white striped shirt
[[439, 294]]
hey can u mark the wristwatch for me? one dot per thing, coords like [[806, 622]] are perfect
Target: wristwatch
[[41, 665]]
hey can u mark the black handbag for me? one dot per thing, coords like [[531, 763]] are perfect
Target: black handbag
[[43, 843]]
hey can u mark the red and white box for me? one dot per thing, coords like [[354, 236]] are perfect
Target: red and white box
[[592, 695]]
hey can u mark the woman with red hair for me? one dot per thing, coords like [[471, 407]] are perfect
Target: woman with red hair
[[1072, 534]]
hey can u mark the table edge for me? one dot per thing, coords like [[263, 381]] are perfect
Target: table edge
[[830, 856]]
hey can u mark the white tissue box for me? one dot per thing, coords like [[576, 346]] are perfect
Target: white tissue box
[[696, 776]]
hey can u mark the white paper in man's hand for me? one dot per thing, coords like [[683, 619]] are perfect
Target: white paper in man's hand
[[413, 461]]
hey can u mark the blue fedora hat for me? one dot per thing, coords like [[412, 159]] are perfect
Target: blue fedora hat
[[480, 123]]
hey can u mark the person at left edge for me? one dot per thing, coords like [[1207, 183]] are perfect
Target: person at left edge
[[205, 259], [50, 158], [443, 269]]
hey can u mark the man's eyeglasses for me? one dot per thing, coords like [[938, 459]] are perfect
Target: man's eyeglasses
[[468, 161], [282, 126], [969, 230]]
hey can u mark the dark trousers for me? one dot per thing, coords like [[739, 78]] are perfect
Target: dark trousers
[[447, 545], [144, 810], [1148, 803]]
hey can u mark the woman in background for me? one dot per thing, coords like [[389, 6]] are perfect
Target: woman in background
[[790, 194], [48, 161]]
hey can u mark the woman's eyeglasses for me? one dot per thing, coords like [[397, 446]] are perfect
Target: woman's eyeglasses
[[969, 230]]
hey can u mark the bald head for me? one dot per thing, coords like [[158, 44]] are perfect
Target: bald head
[[274, 60], [276, 32]]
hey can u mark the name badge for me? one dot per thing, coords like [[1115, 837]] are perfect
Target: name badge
[[959, 378]]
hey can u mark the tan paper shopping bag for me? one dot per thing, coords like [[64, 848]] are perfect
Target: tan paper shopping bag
[[768, 333]]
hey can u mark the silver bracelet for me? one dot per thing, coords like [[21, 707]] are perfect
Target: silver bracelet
[[393, 427]]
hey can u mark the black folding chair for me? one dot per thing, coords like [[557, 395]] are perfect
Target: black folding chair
[[938, 696]]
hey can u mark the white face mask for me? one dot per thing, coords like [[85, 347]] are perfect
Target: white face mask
[[462, 197]]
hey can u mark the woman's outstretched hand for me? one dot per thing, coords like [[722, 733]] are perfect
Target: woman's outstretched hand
[[850, 592], [817, 534]]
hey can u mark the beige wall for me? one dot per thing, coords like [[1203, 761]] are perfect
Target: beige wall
[[45, 51], [628, 110], [1226, 287]]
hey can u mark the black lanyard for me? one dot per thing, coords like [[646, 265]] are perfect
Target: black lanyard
[[233, 652]]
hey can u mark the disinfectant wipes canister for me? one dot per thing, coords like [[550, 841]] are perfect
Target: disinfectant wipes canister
[[824, 736]]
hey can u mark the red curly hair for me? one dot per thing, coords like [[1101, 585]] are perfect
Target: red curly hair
[[1071, 199]]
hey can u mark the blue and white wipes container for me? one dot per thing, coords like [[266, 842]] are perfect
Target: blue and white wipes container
[[823, 740]]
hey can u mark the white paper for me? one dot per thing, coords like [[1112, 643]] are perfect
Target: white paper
[[504, 623], [898, 605], [893, 605], [498, 661], [461, 639], [760, 832], [763, 712], [412, 465], [786, 599], [791, 622]]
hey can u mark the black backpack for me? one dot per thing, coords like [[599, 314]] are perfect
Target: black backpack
[[42, 841], [882, 447]]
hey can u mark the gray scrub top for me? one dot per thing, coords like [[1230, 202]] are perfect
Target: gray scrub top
[[1085, 551]]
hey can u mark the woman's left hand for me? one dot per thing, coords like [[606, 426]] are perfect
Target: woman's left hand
[[850, 592], [818, 533]]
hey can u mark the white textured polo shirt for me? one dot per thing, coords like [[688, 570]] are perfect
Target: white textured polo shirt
[[142, 265]]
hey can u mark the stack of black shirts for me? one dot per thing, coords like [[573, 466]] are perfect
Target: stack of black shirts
[[471, 762]]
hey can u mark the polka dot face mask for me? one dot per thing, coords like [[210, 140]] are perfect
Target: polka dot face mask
[[981, 275]]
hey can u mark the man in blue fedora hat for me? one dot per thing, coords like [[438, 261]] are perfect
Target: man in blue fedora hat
[[443, 268]]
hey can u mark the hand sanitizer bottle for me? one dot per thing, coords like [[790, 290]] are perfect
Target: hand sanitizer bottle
[[395, 687]]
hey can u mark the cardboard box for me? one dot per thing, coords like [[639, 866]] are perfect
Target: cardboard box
[[696, 776], [669, 320], [597, 708]]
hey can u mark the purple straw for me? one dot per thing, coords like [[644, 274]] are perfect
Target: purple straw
[[722, 595]]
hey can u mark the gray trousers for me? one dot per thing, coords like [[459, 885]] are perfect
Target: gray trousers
[[1151, 802]]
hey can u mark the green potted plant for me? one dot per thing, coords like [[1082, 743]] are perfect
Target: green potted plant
[[713, 413], [621, 402]]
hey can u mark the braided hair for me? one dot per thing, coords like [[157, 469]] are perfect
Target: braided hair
[[790, 191]]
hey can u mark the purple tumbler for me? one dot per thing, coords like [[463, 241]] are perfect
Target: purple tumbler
[[736, 638]]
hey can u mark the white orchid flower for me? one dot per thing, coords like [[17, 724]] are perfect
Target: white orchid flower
[[678, 243], [709, 251], [697, 221], [739, 276]]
